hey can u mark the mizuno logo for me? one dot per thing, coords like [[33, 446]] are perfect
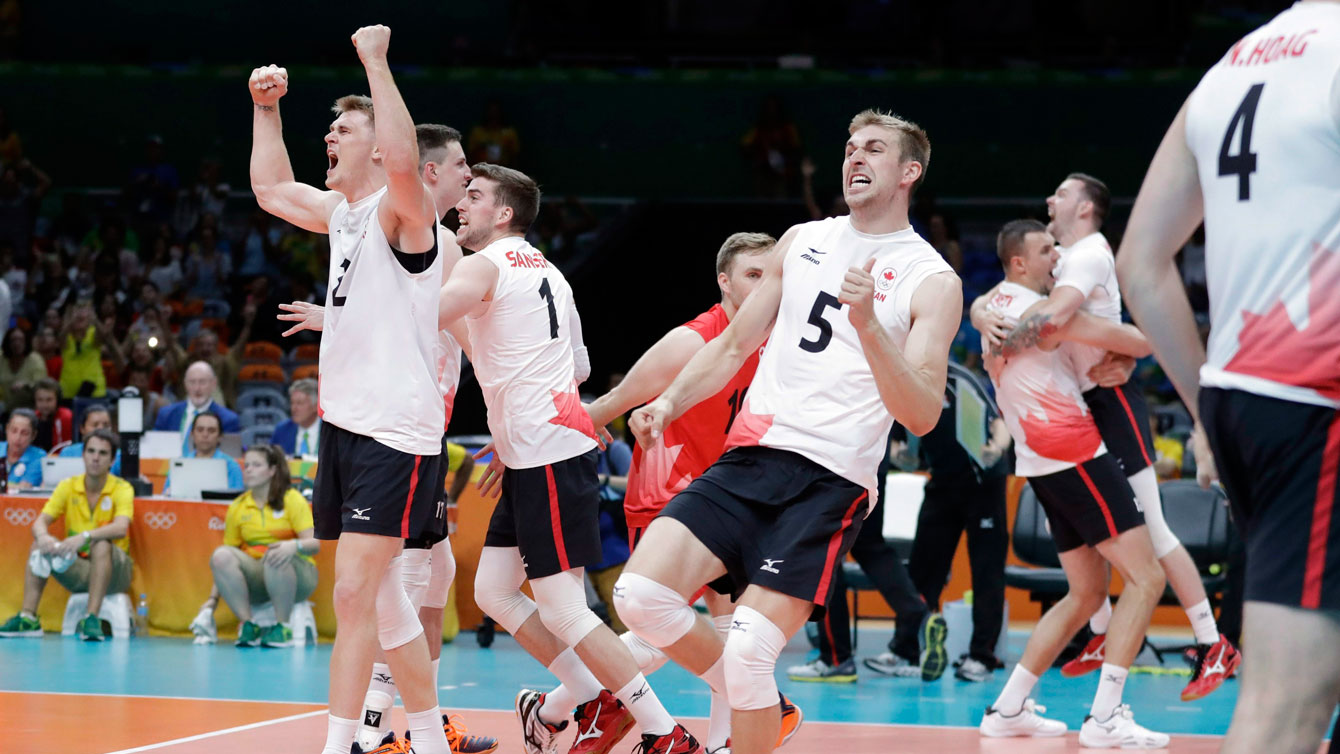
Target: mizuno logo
[[619, 590], [816, 251], [359, 514], [738, 625], [591, 732], [383, 678], [770, 565], [811, 259], [1112, 678], [639, 694]]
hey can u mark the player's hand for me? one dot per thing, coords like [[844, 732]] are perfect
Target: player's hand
[[1114, 370], [994, 327], [371, 42], [308, 316], [1206, 473], [647, 423], [268, 84], [490, 482], [858, 292]]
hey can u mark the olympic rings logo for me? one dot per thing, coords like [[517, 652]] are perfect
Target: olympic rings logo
[[20, 516], [160, 519]]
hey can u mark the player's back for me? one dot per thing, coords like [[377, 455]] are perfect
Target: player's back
[[1039, 397], [1264, 126], [522, 350]]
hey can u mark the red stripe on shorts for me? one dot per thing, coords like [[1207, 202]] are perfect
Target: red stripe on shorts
[[1322, 510], [1139, 438], [555, 520], [409, 500], [1102, 504], [835, 544]]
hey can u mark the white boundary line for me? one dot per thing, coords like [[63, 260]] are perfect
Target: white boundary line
[[160, 696], [223, 732]]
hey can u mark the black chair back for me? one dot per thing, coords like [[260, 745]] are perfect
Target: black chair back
[[1199, 518]]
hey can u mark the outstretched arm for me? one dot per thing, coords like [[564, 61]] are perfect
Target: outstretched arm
[[1096, 331], [650, 376], [467, 291], [271, 173]]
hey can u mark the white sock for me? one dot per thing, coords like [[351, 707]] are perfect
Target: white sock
[[640, 700], [718, 721], [1099, 620], [382, 680], [580, 687], [426, 732], [1016, 691], [649, 659], [1111, 681], [339, 735], [558, 704], [1201, 616], [436, 666]]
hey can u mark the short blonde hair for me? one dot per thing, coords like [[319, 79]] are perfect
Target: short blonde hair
[[742, 243], [354, 102], [914, 144]]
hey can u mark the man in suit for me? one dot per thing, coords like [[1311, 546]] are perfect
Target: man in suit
[[300, 435], [200, 386]]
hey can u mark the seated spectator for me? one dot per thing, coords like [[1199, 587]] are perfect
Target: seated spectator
[[47, 346], [205, 347], [180, 416], [94, 557], [206, 430], [20, 369], [81, 357], [55, 423], [300, 435], [141, 379], [1168, 452], [208, 267], [96, 417], [22, 459], [266, 556]]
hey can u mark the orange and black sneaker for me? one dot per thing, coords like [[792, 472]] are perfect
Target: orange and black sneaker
[[792, 717], [1215, 663], [1089, 660], [601, 723], [677, 741], [461, 740], [389, 745]]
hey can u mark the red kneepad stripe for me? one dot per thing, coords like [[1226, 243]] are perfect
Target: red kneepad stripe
[[1102, 504], [409, 500], [835, 544], [1322, 511], [555, 521]]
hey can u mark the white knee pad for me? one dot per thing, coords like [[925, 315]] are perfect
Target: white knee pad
[[751, 660], [649, 659], [498, 587], [442, 571], [397, 621], [1145, 483], [655, 612], [563, 609], [414, 572]]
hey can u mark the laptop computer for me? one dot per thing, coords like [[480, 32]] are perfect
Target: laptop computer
[[187, 477], [56, 469]]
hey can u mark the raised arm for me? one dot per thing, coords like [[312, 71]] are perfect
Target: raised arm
[[271, 173], [408, 217], [650, 376]]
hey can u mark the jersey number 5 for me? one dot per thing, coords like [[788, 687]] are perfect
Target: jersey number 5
[[821, 304], [1242, 164]]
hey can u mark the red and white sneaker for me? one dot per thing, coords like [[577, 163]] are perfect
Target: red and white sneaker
[[601, 723], [677, 741], [1214, 664], [538, 737], [1089, 660]]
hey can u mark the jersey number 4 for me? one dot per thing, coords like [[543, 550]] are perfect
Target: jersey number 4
[[1242, 164]]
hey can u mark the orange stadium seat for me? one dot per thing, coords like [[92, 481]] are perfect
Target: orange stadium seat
[[262, 352], [308, 353], [305, 371], [261, 373]]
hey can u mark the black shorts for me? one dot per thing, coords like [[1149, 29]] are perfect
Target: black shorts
[[552, 514], [439, 486], [775, 519], [365, 487], [1278, 461], [1087, 504], [1122, 417]]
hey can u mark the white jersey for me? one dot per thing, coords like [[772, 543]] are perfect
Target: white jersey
[[814, 393], [522, 351], [1264, 126], [449, 351], [1039, 396], [379, 343], [1089, 267]]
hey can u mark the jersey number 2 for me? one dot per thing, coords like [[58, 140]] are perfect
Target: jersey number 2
[[1242, 164], [821, 304], [335, 297], [547, 294]]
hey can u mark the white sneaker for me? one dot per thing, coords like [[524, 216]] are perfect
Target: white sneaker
[[1026, 722], [538, 737], [206, 632], [891, 664], [1120, 731]]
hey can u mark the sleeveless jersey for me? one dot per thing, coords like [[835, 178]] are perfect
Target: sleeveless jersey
[[523, 360], [1264, 126], [1040, 399], [379, 345], [690, 443], [814, 393], [449, 353], [1089, 267]]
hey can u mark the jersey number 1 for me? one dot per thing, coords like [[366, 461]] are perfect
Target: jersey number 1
[[547, 294], [1242, 164]]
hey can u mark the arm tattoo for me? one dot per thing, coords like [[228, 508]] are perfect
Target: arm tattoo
[[1026, 335], [266, 108]]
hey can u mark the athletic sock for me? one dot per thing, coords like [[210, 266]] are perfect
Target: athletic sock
[[382, 680], [579, 684], [339, 735], [1016, 691], [1099, 620], [558, 704], [1111, 682], [437, 664], [1202, 620], [718, 721], [426, 732], [640, 700]]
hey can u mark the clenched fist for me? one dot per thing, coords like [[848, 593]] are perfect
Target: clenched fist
[[372, 42], [858, 292], [268, 84]]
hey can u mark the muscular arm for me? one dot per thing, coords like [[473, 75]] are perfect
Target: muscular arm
[[1096, 331], [1166, 212], [1042, 320], [467, 291], [650, 376], [271, 173]]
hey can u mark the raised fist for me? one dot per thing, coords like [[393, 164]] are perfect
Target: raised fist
[[268, 84], [371, 42]]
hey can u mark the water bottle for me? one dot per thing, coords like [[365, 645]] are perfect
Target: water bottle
[[142, 616]]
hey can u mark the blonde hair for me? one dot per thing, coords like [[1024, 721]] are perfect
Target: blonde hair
[[742, 243], [913, 142], [354, 102]]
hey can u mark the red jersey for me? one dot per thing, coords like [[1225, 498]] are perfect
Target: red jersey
[[690, 443]]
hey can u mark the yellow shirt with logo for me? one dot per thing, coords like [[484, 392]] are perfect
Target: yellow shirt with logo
[[71, 501], [253, 527]]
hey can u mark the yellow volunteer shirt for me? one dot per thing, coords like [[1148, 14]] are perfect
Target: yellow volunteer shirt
[[71, 501], [1169, 448], [253, 528], [455, 456]]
